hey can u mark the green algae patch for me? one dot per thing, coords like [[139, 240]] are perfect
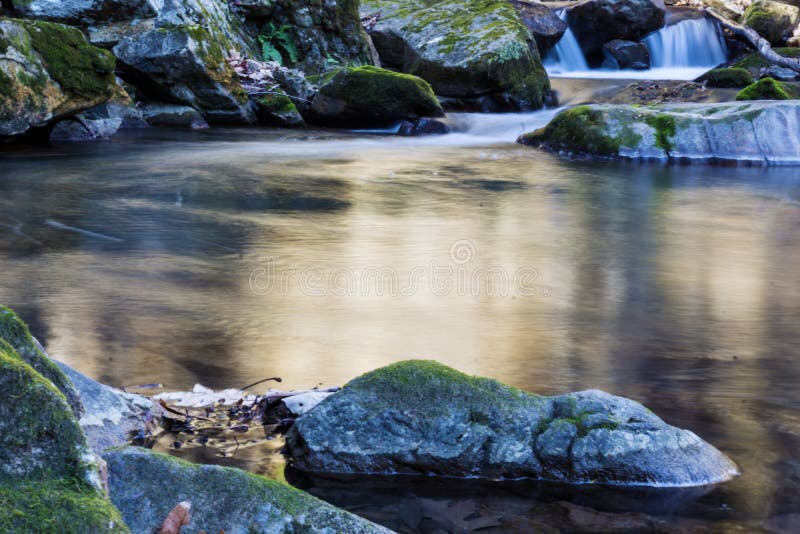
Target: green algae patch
[[768, 89], [664, 126], [56, 507], [79, 68], [727, 77], [16, 333], [421, 384], [369, 96], [145, 485], [580, 129]]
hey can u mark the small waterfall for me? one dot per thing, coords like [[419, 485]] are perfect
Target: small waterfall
[[690, 43], [566, 55]]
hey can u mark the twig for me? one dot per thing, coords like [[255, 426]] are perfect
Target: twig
[[275, 378]]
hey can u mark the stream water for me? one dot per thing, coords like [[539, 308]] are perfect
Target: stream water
[[226, 256]]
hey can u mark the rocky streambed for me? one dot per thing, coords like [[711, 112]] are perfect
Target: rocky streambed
[[73, 459]]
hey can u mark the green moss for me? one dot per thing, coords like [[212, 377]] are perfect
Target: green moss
[[664, 126], [754, 62], [79, 68], [59, 506], [580, 129], [16, 333], [36, 424], [772, 20], [421, 384], [728, 77], [6, 84], [767, 89], [279, 104]]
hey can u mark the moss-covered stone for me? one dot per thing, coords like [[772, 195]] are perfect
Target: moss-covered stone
[[772, 20], [580, 129], [59, 506], [754, 62], [279, 110], [145, 485], [478, 51], [52, 72], [371, 96], [16, 333], [423, 417], [768, 89], [731, 77], [758, 132]]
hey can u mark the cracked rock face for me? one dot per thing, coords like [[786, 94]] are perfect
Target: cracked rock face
[[422, 417]]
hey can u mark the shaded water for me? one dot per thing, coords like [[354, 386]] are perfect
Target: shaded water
[[226, 256]]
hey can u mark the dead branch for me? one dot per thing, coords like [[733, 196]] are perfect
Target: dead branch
[[759, 43]]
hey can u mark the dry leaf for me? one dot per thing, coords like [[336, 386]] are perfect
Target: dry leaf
[[178, 517]]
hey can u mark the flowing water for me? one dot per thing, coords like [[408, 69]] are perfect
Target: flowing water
[[226, 256], [680, 51]]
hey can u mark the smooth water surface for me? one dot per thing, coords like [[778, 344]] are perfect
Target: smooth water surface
[[226, 256]]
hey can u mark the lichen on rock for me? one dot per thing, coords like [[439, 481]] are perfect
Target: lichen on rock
[[420, 417], [479, 54]]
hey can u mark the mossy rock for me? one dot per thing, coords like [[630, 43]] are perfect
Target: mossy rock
[[279, 110], [354, 97], [727, 77], [145, 486], [768, 89], [754, 62], [774, 21], [14, 331], [755, 132], [478, 51], [580, 129], [60, 506], [54, 73], [420, 416]]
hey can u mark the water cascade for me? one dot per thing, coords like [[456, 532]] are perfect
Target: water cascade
[[566, 56], [681, 51], [690, 43]]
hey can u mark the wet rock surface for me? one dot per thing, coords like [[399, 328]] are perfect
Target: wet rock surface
[[596, 22], [755, 132], [421, 417]]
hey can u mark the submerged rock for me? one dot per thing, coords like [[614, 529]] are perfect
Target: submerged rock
[[145, 486], [171, 115], [422, 417], [48, 478], [479, 52], [596, 22], [758, 132], [47, 72], [363, 97]]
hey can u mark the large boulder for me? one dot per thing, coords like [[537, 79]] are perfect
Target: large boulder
[[768, 89], [423, 417], [757, 132], [774, 21], [356, 97], [545, 26], [596, 22], [186, 64], [478, 53], [48, 479], [48, 72], [145, 486], [82, 12], [315, 36]]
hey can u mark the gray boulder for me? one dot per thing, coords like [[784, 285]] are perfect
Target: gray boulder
[[756, 132], [423, 417], [774, 21], [111, 417], [82, 129], [619, 54], [479, 55], [48, 72], [145, 486], [596, 22], [542, 22], [186, 64], [85, 11], [171, 115]]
